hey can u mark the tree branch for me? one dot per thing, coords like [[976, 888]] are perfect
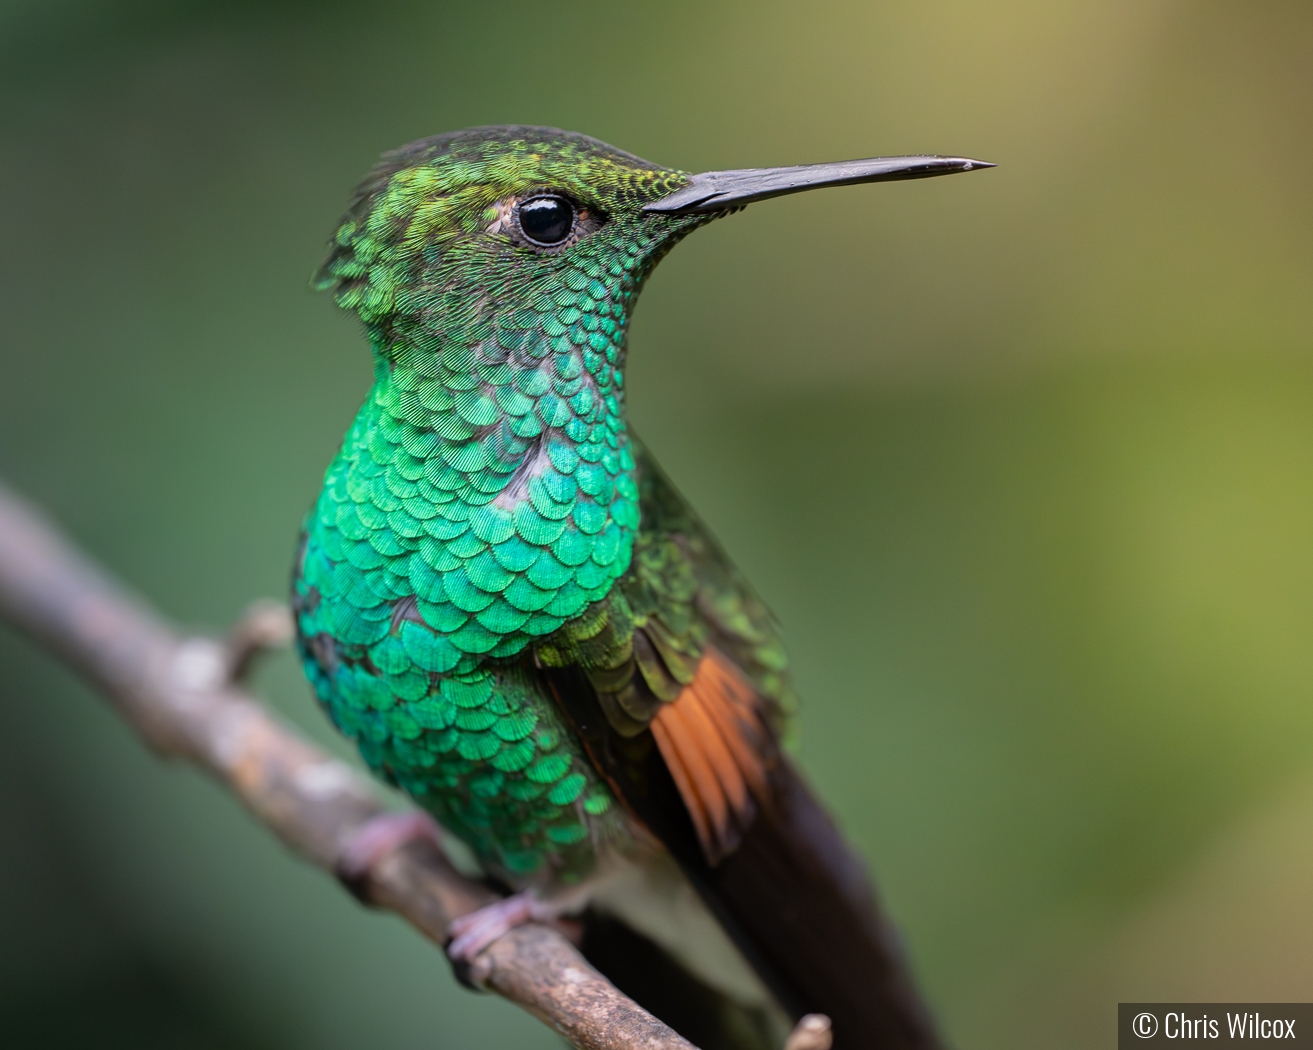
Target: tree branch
[[182, 693]]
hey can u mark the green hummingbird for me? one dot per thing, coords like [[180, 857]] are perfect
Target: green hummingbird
[[508, 607]]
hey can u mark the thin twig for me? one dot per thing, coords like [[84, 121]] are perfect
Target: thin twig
[[812, 1032], [182, 693]]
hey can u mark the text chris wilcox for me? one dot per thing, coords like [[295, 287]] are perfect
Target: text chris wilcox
[[1144, 1025]]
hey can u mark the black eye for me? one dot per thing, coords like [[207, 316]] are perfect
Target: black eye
[[547, 220]]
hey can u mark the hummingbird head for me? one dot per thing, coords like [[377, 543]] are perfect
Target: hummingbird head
[[451, 233], [465, 237]]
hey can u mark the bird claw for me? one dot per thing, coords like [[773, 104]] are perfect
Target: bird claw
[[378, 837], [472, 933]]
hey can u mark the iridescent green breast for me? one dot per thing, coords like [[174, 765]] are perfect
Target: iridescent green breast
[[416, 592]]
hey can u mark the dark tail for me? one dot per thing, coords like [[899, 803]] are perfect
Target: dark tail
[[798, 902]]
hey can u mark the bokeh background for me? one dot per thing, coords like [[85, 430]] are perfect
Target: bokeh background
[[1022, 460]]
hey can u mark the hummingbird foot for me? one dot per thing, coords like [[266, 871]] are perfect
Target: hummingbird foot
[[471, 933], [375, 839]]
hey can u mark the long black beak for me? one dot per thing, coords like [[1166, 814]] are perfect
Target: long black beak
[[714, 190]]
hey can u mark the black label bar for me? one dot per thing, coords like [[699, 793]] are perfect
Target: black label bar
[[1142, 1026]]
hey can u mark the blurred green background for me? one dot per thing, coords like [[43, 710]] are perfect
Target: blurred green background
[[1023, 461]]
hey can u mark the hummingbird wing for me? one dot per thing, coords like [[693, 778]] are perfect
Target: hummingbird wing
[[680, 698]]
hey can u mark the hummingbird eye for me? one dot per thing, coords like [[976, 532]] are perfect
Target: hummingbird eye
[[547, 220]]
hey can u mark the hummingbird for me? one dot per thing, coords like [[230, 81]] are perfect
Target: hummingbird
[[521, 623]]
